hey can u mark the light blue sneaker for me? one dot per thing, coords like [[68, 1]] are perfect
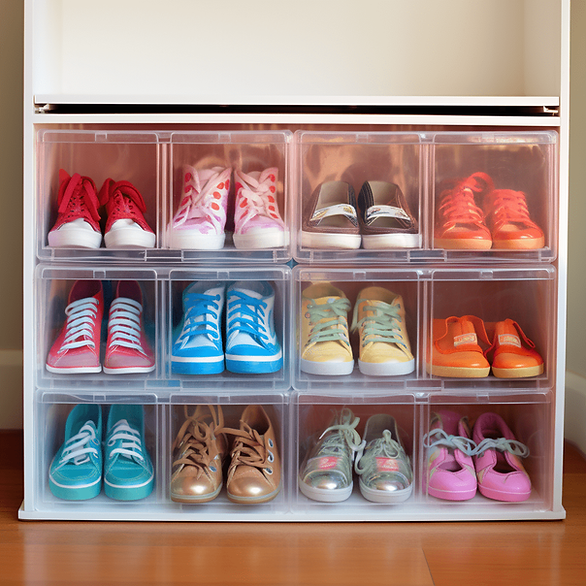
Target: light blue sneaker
[[75, 474], [197, 346], [251, 341], [128, 469]]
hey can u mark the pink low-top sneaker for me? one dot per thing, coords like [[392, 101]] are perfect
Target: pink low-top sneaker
[[77, 347], [127, 350], [78, 219], [201, 217], [450, 469], [126, 226], [501, 475], [258, 223]]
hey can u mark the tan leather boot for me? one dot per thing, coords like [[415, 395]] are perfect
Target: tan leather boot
[[199, 451], [254, 475]]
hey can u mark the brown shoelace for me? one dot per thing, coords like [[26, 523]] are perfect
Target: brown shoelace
[[196, 440]]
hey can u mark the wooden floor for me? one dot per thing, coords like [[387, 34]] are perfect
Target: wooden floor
[[450, 554]]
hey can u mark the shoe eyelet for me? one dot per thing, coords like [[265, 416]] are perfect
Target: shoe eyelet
[[271, 443], [269, 470], [213, 469], [271, 457]]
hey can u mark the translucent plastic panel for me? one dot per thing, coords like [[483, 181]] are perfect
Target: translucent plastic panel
[[522, 428], [324, 360]]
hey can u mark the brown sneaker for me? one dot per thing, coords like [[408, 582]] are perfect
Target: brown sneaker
[[385, 218], [254, 475], [329, 217], [199, 451]]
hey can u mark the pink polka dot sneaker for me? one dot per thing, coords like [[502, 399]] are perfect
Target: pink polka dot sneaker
[[126, 226], [78, 220], [200, 219], [258, 223]]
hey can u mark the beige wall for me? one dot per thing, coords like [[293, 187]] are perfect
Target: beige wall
[[11, 39], [576, 338], [11, 63]]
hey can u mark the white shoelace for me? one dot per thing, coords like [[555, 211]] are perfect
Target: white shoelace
[[131, 445], [196, 203], [124, 324], [258, 203], [80, 324], [78, 448]]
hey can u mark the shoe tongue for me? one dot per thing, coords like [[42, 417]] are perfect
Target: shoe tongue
[[465, 333], [326, 300], [507, 335], [250, 288]]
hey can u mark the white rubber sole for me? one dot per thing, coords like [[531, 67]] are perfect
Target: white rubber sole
[[382, 496], [185, 240], [75, 238], [130, 238], [261, 240], [325, 495], [325, 241], [134, 370], [386, 368], [330, 368], [382, 241], [80, 370]]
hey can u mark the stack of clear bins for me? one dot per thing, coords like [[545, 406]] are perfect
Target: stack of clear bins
[[432, 243]]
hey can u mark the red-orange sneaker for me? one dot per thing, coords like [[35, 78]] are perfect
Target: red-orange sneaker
[[459, 221], [507, 216], [513, 353], [456, 351]]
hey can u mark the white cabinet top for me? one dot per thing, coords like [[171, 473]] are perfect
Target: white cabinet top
[[307, 52]]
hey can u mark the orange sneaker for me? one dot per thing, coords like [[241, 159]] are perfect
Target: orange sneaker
[[507, 216], [459, 221], [456, 351], [514, 353]]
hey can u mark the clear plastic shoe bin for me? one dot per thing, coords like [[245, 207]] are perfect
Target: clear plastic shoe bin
[[157, 163], [441, 196]]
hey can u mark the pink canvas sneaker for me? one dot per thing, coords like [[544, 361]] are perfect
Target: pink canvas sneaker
[[126, 226], [450, 470], [127, 350], [201, 217], [77, 347], [497, 458], [258, 223], [78, 220]]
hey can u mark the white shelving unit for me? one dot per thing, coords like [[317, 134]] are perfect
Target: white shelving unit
[[242, 79]]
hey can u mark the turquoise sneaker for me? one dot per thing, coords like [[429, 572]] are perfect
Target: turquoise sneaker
[[128, 469], [197, 346], [252, 346], [75, 474]]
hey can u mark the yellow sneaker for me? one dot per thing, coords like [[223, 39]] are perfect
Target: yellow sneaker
[[325, 340], [379, 316]]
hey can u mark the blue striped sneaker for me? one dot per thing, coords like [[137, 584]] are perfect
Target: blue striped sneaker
[[251, 341], [75, 474], [128, 469], [197, 346]]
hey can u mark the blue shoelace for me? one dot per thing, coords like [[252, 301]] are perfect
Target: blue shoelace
[[251, 315], [198, 304]]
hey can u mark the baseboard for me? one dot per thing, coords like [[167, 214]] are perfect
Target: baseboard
[[575, 415], [11, 389]]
